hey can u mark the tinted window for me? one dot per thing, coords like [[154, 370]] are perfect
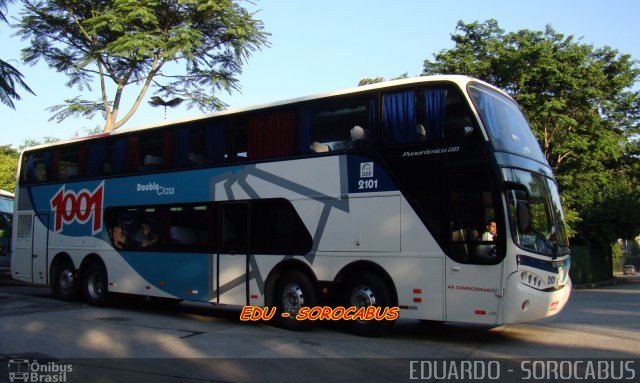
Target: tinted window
[[426, 115], [475, 229], [270, 226], [339, 124], [506, 126]]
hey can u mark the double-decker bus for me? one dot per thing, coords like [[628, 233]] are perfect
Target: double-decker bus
[[427, 195]]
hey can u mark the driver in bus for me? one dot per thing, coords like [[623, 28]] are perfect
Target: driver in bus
[[487, 251], [491, 233]]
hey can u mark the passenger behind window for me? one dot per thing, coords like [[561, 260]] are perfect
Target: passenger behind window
[[317, 147], [422, 133], [131, 232], [153, 162], [359, 137]]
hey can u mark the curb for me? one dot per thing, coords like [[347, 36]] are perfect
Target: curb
[[608, 282]]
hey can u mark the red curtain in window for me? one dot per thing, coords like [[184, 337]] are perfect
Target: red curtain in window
[[271, 135], [134, 154]]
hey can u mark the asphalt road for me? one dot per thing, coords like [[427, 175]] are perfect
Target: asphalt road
[[139, 342]]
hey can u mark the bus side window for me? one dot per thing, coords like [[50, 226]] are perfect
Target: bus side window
[[458, 121], [187, 228], [133, 229], [428, 115], [39, 166], [399, 120], [69, 162], [116, 156], [471, 210], [153, 149], [234, 228], [200, 145], [271, 135], [432, 106], [338, 125], [239, 135], [96, 158]]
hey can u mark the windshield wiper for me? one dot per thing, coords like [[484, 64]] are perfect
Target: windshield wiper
[[552, 246]]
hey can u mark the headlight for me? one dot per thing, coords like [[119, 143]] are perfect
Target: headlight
[[531, 279]]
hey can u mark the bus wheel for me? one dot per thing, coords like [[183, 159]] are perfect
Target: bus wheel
[[95, 285], [293, 291], [366, 290], [64, 283]]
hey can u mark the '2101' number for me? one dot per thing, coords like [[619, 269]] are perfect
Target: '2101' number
[[367, 184]]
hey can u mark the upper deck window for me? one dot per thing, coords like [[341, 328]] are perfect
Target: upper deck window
[[426, 115], [506, 126], [201, 144], [337, 124]]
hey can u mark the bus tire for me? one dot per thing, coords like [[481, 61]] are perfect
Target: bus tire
[[293, 291], [95, 285], [64, 282], [363, 290]]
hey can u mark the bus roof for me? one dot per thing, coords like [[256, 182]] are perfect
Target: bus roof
[[461, 80]]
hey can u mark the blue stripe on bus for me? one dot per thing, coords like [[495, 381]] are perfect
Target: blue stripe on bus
[[550, 266], [184, 275]]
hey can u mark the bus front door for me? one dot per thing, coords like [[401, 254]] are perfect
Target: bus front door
[[232, 266], [473, 292]]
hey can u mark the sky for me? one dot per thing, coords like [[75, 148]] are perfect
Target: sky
[[322, 46]]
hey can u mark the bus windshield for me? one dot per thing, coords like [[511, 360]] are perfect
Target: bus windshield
[[536, 217], [506, 126]]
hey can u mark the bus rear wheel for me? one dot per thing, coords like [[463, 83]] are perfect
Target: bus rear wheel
[[64, 282], [95, 289], [293, 291], [365, 290]]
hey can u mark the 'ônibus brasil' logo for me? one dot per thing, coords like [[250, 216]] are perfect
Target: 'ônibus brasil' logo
[[68, 207]]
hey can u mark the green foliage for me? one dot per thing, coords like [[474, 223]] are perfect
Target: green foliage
[[10, 77], [369, 81], [582, 107], [131, 42], [32, 142], [8, 166]]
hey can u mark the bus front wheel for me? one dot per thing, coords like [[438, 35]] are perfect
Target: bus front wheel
[[293, 291], [364, 290], [95, 289]]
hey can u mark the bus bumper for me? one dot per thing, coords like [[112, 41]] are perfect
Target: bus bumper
[[524, 304]]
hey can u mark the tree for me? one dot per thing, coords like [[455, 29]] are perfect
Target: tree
[[10, 77], [369, 81], [140, 43], [8, 166], [582, 107]]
